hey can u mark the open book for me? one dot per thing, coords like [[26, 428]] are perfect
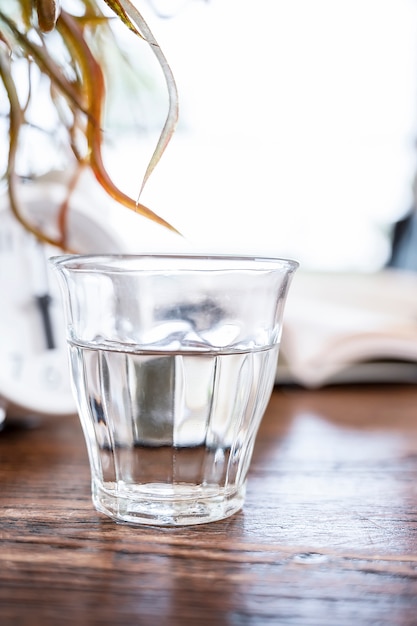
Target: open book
[[350, 328]]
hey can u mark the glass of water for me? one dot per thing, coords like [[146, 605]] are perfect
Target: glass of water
[[173, 360]]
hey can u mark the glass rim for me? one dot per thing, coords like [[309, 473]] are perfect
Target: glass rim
[[100, 261]]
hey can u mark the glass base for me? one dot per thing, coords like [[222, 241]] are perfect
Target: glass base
[[160, 504]]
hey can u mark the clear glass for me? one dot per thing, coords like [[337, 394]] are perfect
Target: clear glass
[[173, 360]]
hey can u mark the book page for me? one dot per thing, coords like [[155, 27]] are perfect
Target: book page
[[333, 321]]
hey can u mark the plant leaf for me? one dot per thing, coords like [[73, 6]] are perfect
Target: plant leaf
[[48, 12], [16, 120], [127, 9], [45, 62], [95, 90]]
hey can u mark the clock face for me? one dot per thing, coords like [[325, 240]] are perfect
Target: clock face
[[33, 364], [34, 371]]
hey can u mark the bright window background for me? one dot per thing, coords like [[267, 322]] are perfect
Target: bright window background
[[297, 133]]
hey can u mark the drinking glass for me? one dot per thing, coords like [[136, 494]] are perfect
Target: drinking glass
[[173, 360]]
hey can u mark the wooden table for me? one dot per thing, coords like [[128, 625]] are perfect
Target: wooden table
[[328, 535]]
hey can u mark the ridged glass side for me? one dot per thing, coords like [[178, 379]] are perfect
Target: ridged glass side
[[170, 435]]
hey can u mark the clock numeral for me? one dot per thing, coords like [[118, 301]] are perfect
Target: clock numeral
[[51, 378]]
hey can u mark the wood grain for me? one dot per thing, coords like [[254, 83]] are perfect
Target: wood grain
[[328, 535]]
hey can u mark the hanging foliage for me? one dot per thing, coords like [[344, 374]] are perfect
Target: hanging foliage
[[77, 90]]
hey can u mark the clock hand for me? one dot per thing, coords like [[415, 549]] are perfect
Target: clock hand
[[43, 301], [41, 288]]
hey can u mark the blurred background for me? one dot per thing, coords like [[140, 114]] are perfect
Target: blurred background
[[297, 131], [297, 138], [297, 134]]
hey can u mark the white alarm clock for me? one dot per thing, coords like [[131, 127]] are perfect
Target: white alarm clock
[[34, 371]]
